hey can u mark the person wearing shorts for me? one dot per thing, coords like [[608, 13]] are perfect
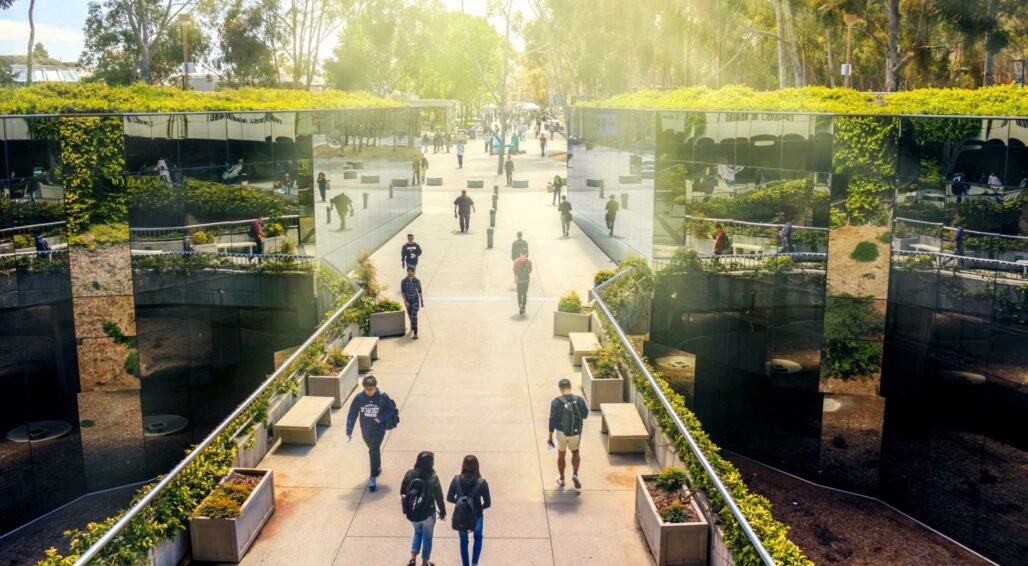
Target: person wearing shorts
[[567, 413]]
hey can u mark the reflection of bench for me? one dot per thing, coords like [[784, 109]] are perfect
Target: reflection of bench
[[235, 247], [519, 184], [476, 183], [582, 344], [746, 248], [625, 430], [300, 424], [435, 181], [925, 248], [365, 349]]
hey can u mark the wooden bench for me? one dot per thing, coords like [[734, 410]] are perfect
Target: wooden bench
[[626, 433], [582, 344], [300, 424], [365, 349], [746, 248]]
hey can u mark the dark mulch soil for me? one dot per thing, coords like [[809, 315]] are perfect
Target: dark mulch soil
[[663, 499], [833, 527], [241, 479]]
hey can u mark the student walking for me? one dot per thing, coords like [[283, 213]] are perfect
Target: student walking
[[721, 240], [522, 277], [424, 167], [558, 184], [413, 299], [377, 414], [469, 493], [785, 237], [463, 206], [341, 203], [518, 247], [565, 215], [410, 253], [416, 171], [567, 413], [257, 233], [612, 213], [542, 145], [421, 497], [460, 155], [323, 185], [508, 168]]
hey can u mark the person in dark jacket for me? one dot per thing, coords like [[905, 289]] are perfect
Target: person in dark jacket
[[433, 499], [578, 411], [463, 206], [375, 409], [522, 278], [556, 187], [42, 246], [413, 299], [508, 168], [322, 185], [565, 215], [517, 247], [410, 253], [342, 203], [612, 213], [466, 483]]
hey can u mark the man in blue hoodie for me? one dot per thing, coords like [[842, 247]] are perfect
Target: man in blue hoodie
[[376, 409]]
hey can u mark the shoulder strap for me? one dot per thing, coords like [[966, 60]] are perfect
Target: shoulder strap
[[474, 490], [456, 481]]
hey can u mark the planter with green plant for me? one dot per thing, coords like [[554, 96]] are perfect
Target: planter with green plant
[[274, 237], [675, 529], [226, 523], [570, 315], [204, 242], [387, 319], [23, 242], [602, 380], [333, 376]]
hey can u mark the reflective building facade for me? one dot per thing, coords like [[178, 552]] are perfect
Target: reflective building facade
[[840, 297]]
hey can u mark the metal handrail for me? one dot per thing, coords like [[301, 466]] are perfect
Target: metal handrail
[[693, 446], [746, 223], [94, 550], [953, 229]]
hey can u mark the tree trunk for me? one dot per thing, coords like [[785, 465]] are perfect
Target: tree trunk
[[503, 94], [783, 63], [989, 77], [892, 49], [32, 41], [831, 63], [790, 38]]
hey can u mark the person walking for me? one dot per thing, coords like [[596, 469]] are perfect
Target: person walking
[[469, 493], [415, 178], [424, 167], [447, 140], [323, 185], [542, 145], [558, 184], [565, 215], [377, 414], [460, 155], [463, 206], [42, 246], [785, 237], [508, 168], [341, 203], [612, 213], [413, 299], [567, 413], [421, 497], [958, 238], [518, 247], [410, 253], [721, 240], [257, 233], [571, 152], [522, 277]]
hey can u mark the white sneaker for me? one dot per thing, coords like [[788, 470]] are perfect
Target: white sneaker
[[576, 481], [560, 482]]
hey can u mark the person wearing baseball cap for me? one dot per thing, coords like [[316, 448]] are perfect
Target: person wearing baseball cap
[[567, 413]]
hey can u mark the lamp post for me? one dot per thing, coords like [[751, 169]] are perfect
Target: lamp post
[[183, 21], [850, 19]]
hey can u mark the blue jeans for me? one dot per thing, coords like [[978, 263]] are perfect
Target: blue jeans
[[423, 537], [477, 552]]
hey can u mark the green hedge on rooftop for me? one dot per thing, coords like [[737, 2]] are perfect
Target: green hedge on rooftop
[[65, 98], [1005, 100]]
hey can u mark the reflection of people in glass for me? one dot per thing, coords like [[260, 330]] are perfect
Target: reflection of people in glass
[[234, 174], [994, 183], [958, 237], [416, 171], [785, 236], [341, 203], [720, 240], [322, 185], [42, 246], [460, 155], [565, 215], [163, 171], [287, 183], [558, 184], [612, 213], [424, 167], [187, 244], [257, 233], [960, 186]]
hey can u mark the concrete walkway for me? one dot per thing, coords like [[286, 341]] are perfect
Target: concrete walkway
[[479, 381]]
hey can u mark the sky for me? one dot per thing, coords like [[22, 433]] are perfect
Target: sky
[[59, 25]]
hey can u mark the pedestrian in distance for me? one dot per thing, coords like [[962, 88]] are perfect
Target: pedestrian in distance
[[410, 253], [447, 140], [785, 236], [469, 493], [463, 206], [415, 178], [518, 247], [421, 497], [542, 145], [612, 213], [377, 414], [508, 169], [958, 238], [323, 185], [567, 413], [413, 299], [558, 185], [424, 167], [571, 150], [522, 277], [565, 215], [342, 203], [460, 155], [257, 233], [721, 240]]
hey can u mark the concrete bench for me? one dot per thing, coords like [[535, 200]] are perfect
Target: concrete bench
[[582, 344], [519, 184], [399, 183], [925, 248], [626, 433], [369, 179], [435, 181], [237, 247], [365, 349], [594, 182], [476, 183], [300, 424], [746, 248], [629, 179], [350, 174]]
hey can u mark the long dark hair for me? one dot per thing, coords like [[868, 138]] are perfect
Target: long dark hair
[[470, 467], [424, 465]]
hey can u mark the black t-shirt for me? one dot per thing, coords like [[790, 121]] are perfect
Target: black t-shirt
[[464, 204], [564, 208]]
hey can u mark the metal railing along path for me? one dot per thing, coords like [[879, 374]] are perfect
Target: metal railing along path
[[747, 223], [693, 447], [94, 550], [287, 221]]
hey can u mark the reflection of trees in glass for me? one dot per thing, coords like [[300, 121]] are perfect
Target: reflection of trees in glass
[[154, 201], [853, 331]]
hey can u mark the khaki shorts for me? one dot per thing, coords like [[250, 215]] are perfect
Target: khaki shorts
[[567, 442]]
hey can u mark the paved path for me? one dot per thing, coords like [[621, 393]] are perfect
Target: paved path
[[478, 381]]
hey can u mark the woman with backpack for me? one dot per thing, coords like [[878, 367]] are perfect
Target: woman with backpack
[[469, 493], [421, 496]]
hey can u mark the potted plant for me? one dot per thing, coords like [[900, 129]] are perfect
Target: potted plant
[[226, 523], [274, 237], [602, 381], [675, 528], [334, 376], [387, 318], [570, 316], [23, 243], [204, 242]]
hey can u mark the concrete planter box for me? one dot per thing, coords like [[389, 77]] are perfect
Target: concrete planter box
[[567, 322], [350, 174], [227, 540], [170, 552], [399, 183], [337, 386], [604, 390], [251, 448], [435, 181], [211, 248], [369, 179], [280, 404], [594, 182], [272, 244], [476, 184], [388, 323], [522, 184], [356, 164], [671, 544]]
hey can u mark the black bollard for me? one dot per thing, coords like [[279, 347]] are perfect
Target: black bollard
[[489, 235], [495, 200], [624, 201], [492, 217], [496, 190], [365, 201]]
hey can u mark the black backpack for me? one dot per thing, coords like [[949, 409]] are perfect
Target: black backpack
[[570, 419], [464, 516], [417, 500], [395, 419]]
